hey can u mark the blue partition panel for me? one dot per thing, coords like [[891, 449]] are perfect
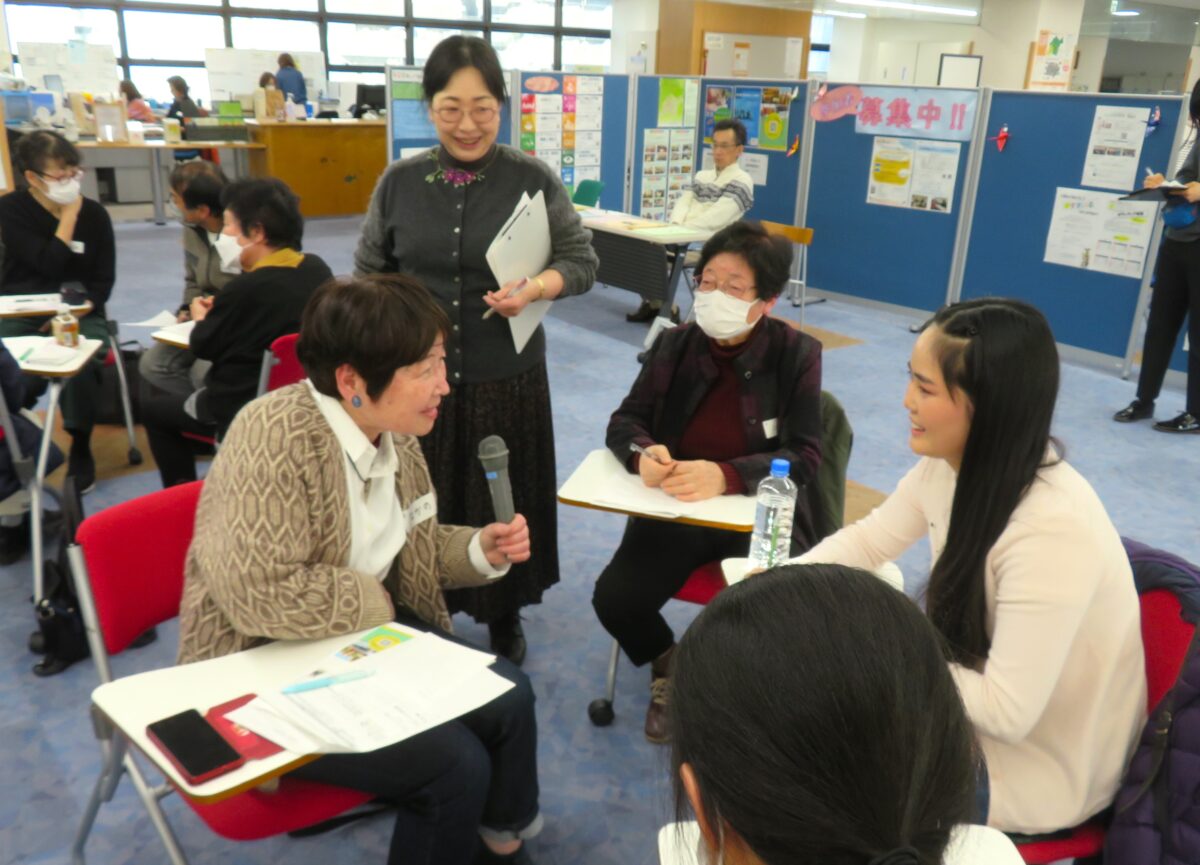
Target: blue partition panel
[[776, 200], [613, 131], [893, 255], [1046, 149], [646, 117]]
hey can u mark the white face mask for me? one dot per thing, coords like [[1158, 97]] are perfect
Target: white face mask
[[230, 252], [721, 316], [62, 191]]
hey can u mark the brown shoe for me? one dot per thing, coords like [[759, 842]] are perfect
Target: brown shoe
[[657, 730], [648, 311]]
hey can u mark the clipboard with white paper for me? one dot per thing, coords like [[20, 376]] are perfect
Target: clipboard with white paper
[[522, 249]]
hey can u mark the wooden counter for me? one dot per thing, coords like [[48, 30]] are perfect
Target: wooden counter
[[331, 164]]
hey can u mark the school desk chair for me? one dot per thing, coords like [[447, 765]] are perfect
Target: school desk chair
[[587, 193], [125, 588], [280, 366], [797, 286]]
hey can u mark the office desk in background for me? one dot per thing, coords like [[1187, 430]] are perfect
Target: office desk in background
[[640, 255], [155, 149], [332, 165]]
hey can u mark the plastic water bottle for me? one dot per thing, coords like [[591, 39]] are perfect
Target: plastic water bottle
[[772, 539]]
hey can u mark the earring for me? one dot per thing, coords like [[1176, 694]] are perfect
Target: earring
[[356, 401]]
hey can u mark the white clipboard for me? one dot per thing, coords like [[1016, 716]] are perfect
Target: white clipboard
[[522, 249]]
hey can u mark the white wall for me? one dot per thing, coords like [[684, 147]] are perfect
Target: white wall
[[846, 49], [6, 53], [634, 22], [1092, 51], [1146, 67]]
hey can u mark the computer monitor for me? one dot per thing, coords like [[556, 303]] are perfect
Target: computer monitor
[[372, 96], [54, 83]]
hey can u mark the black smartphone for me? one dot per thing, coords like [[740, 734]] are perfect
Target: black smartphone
[[194, 746]]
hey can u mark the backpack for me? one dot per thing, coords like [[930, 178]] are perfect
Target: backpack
[[1156, 820]]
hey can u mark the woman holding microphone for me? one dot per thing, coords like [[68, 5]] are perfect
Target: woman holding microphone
[[434, 216]]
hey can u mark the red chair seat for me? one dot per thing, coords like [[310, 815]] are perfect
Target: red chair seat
[[1086, 840], [704, 584], [297, 804]]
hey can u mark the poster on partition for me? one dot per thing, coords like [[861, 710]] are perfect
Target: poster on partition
[[656, 157], [919, 175], [773, 118], [563, 129], [680, 166], [677, 102], [1053, 60], [1115, 147], [1097, 231], [747, 106], [917, 112], [718, 105]]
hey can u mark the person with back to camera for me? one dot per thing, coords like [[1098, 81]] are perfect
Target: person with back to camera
[[136, 106], [290, 80], [815, 721], [316, 521], [235, 328], [53, 237], [735, 362], [211, 259], [1030, 584], [267, 79], [434, 216], [1176, 295]]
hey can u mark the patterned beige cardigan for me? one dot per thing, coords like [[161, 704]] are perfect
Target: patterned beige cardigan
[[268, 560]]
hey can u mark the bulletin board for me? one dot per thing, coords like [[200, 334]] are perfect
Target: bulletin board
[[408, 125], [235, 71], [667, 118], [898, 255], [598, 152], [1046, 149], [773, 112], [83, 68]]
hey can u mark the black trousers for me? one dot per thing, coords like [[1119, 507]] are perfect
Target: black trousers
[[477, 771], [652, 563], [165, 422], [1176, 295]]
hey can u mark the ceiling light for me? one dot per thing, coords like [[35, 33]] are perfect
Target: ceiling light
[[838, 14], [913, 7], [1126, 13]]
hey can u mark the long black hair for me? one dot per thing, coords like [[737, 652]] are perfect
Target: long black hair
[[816, 735], [1000, 354]]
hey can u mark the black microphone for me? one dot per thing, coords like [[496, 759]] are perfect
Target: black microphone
[[493, 453]]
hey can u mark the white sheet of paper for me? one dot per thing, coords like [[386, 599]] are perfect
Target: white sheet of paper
[[29, 303], [176, 333], [163, 319], [601, 480], [522, 249]]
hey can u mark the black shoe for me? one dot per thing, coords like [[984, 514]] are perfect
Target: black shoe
[[1185, 423], [1136, 410], [646, 312], [14, 543], [508, 638], [675, 315], [82, 467]]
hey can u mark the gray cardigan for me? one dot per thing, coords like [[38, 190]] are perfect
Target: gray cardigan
[[440, 234]]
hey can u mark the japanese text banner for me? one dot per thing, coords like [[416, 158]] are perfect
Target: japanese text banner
[[948, 115]]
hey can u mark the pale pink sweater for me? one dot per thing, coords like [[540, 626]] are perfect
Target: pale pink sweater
[[1062, 697]]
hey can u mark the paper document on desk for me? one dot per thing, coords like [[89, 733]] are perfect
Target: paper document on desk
[[163, 319], [176, 333], [415, 685], [522, 249], [667, 233], [12, 304], [602, 481], [49, 353]]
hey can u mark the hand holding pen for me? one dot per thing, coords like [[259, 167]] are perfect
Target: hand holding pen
[[656, 463], [514, 296]]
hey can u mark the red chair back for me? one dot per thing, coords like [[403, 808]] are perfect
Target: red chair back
[[135, 553], [703, 584], [286, 369], [1165, 636]]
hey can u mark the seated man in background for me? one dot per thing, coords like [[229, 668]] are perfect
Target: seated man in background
[[718, 197], [210, 259], [715, 402], [234, 329]]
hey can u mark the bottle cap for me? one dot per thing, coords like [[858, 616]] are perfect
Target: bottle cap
[[780, 468]]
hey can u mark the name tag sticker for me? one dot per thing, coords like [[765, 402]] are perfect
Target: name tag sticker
[[421, 510], [771, 428], [77, 247]]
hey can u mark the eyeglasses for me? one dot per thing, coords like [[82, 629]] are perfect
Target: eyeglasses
[[708, 282], [72, 174], [480, 114]]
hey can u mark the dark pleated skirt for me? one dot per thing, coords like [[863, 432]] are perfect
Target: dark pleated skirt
[[518, 410]]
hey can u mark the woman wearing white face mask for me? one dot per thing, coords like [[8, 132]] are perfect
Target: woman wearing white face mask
[[715, 402], [263, 224], [53, 236]]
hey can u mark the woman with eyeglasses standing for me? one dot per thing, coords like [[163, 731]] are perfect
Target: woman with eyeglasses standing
[[433, 216], [54, 237]]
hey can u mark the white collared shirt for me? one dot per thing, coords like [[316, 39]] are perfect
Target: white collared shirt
[[378, 523]]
